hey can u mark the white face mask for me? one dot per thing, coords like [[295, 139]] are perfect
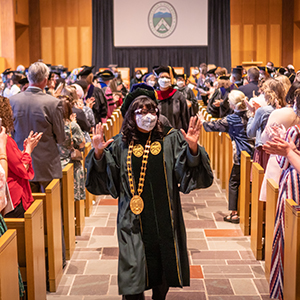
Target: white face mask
[[191, 86], [164, 82], [195, 71], [146, 122], [138, 76], [295, 109], [180, 84], [151, 83]]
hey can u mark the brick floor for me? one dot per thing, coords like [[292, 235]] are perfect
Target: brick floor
[[222, 265]]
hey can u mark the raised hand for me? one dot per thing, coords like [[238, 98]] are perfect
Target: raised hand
[[192, 135], [98, 140]]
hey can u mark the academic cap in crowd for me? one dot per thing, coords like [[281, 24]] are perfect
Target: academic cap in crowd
[[164, 69], [139, 89], [237, 71], [105, 75], [147, 75], [86, 70], [281, 70], [23, 81], [266, 69], [211, 71], [224, 77], [7, 71], [181, 76]]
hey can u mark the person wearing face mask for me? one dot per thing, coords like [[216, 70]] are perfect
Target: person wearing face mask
[[146, 166], [171, 103], [150, 80], [188, 94], [137, 78], [194, 76]]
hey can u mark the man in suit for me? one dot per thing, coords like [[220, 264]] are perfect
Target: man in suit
[[40, 112], [252, 86]]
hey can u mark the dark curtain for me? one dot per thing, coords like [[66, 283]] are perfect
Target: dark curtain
[[218, 52]]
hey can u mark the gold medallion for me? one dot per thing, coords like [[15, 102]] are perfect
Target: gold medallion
[[155, 148], [138, 150], [136, 204]]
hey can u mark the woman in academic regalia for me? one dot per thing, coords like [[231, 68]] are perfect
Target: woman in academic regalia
[[145, 167]]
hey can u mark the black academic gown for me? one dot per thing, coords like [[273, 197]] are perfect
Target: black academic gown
[[177, 171]]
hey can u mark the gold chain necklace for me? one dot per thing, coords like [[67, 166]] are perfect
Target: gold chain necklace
[[136, 202]]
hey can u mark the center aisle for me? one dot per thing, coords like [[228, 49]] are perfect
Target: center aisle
[[222, 264]]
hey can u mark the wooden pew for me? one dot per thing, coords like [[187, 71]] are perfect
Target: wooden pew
[[120, 116], [115, 125], [9, 280], [117, 116], [110, 127], [52, 225], [217, 146], [68, 209], [106, 131], [257, 212], [272, 196], [245, 193], [292, 251], [228, 161], [211, 144], [31, 249], [88, 196], [208, 138], [223, 159]]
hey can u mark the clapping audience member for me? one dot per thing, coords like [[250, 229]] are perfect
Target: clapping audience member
[[278, 122], [74, 140], [77, 107], [235, 124], [3, 194], [273, 93], [288, 189], [252, 86], [20, 169], [100, 106]]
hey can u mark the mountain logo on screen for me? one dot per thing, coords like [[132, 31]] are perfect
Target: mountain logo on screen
[[162, 19]]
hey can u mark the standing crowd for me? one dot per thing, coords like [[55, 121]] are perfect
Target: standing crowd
[[48, 114]]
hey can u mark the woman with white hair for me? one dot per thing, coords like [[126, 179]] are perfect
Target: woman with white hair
[[235, 124]]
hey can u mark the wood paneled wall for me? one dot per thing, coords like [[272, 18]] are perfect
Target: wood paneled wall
[[66, 32], [7, 33], [256, 31]]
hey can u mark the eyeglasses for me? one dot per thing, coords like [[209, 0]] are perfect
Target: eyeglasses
[[144, 112]]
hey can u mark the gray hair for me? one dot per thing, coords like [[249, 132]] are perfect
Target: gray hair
[[37, 72]]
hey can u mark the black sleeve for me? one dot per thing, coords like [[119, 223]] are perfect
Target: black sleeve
[[100, 106], [219, 125], [82, 121]]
